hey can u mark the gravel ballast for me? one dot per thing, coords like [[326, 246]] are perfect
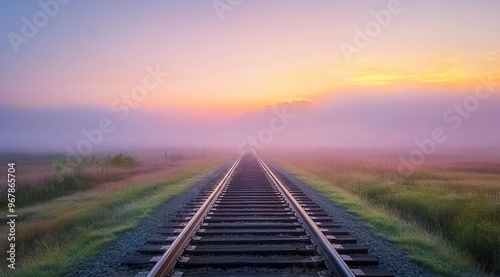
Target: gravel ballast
[[108, 260], [391, 257]]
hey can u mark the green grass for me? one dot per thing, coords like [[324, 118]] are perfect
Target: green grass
[[99, 225], [434, 224]]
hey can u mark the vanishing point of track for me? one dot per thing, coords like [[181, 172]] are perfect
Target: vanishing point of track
[[253, 222]]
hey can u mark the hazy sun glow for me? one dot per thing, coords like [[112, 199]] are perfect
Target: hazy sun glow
[[261, 53]]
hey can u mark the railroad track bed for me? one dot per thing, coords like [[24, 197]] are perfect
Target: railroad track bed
[[252, 224]]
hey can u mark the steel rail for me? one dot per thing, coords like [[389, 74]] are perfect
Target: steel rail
[[168, 260], [333, 260]]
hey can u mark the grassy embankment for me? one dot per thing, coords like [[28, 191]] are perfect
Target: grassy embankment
[[446, 216], [53, 234]]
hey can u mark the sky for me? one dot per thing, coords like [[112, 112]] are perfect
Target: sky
[[66, 66]]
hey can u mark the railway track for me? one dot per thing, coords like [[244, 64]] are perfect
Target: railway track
[[252, 223]]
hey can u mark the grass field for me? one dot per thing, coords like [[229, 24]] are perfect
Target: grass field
[[446, 215], [56, 231]]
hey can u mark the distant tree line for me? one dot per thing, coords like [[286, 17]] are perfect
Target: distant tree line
[[117, 160], [294, 104], [174, 156]]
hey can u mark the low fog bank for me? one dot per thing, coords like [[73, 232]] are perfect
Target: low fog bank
[[442, 154], [358, 121]]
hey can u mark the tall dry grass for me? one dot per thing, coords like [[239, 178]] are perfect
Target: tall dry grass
[[39, 183], [459, 201]]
